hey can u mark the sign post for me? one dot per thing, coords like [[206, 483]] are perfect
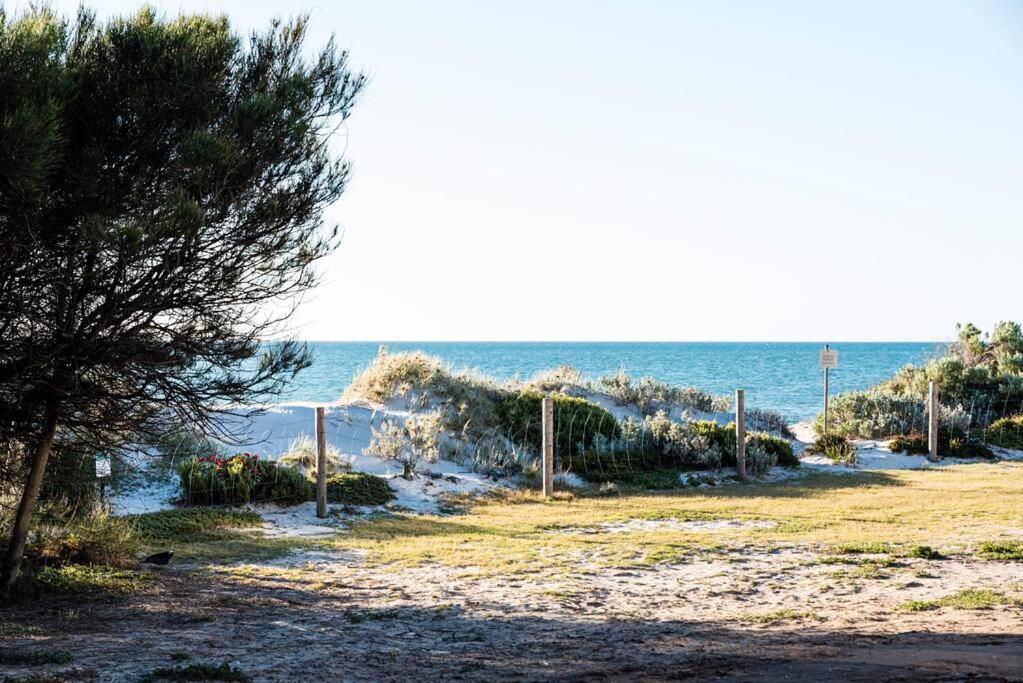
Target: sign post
[[103, 472], [827, 359]]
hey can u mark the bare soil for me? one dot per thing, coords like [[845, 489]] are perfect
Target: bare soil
[[768, 613]]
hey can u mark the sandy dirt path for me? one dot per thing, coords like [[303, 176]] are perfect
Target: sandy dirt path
[[765, 613]]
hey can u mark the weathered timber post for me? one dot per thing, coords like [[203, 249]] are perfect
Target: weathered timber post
[[932, 421], [740, 433], [321, 464], [548, 446]]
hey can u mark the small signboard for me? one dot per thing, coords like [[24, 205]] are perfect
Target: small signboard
[[102, 465], [828, 359]]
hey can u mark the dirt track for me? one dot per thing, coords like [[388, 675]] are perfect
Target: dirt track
[[742, 615]]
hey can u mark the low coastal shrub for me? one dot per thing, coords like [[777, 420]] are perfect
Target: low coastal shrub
[[1006, 432], [358, 488], [760, 457], [578, 423], [779, 448], [81, 581], [240, 479], [835, 447], [687, 445], [649, 394], [872, 415], [411, 443], [949, 446]]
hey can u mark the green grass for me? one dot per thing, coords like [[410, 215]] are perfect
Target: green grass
[[972, 598], [79, 580], [196, 672], [33, 657], [185, 524], [202, 534], [1001, 550], [858, 513], [864, 548], [775, 616]]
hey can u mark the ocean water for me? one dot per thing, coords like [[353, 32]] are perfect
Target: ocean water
[[782, 376]]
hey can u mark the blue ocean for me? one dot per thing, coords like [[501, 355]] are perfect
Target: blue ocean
[[782, 376]]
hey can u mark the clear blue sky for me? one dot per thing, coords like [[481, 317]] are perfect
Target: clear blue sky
[[672, 170]]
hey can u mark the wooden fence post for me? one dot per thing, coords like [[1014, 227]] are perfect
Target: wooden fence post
[[321, 464], [933, 408], [548, 446], [740, 433]]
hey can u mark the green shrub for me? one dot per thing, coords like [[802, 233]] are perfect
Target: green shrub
[[949, 446], [872, 415], [578, 423], [241, 479], [96, 538], [82, 581], [1006, 432], [649, 394], [358, 488], [834, 447], [979, 381], [620, 466], [720, 436], [760, 458], [779, 448], [648, 478]]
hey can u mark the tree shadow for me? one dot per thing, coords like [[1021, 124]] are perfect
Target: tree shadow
[[277, 633]]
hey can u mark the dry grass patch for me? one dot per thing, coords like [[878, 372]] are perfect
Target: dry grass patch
[[895, 508]]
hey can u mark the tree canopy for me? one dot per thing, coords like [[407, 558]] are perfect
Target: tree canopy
[[162, 188]]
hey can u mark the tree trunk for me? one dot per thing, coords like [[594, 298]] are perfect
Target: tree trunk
[[19, 536]]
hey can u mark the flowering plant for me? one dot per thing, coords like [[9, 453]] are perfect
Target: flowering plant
[[238, 479]]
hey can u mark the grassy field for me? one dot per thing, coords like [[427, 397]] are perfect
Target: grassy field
[[950, 509], [910, 575]]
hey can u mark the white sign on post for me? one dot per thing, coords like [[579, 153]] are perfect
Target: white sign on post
[[102, 465], [828, 359]]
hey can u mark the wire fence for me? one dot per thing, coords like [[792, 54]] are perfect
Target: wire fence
[[596, 435]]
